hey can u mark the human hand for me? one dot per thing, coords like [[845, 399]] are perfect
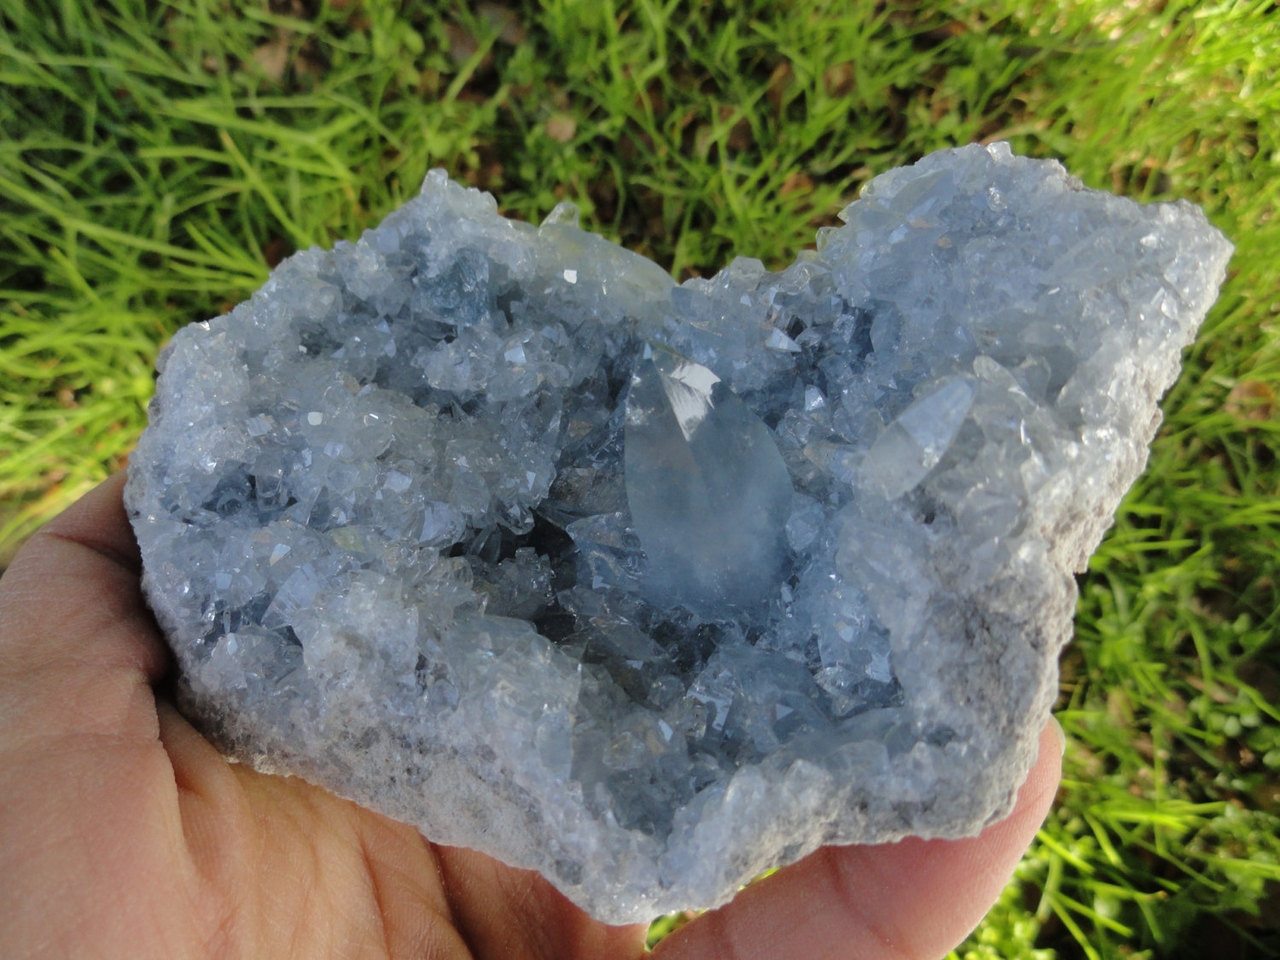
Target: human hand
[[124, 833]]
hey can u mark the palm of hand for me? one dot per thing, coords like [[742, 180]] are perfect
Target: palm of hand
[[124, 833]]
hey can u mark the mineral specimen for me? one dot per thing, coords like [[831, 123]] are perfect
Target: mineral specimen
[[496, 529]]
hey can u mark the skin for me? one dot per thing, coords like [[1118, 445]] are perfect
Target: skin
[[124, 833]]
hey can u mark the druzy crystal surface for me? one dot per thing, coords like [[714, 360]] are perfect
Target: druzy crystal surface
[[496, 529]]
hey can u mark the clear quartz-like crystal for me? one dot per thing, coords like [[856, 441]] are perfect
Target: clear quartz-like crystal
[[495, 528]]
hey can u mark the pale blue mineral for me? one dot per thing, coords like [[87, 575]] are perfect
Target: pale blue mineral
[[496, 529], [707, 491]]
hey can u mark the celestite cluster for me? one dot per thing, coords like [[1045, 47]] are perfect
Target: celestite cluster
[[496, 529]]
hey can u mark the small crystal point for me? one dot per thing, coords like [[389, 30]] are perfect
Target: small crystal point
[[912, 444], [708, 492]]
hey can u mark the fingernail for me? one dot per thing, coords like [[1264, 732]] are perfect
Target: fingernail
[[1059, 733]]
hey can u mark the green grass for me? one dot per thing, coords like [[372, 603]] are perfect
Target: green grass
[[157, 157]]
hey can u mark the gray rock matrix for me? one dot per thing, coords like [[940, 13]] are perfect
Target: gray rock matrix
[[497, 530]]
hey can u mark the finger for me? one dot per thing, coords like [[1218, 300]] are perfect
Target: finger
[[78, 647], [505, 912], [912, 900]]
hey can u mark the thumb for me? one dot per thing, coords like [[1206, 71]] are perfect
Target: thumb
[[78, 648], [911, 900]]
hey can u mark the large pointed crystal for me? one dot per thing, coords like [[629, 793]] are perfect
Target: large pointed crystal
[[708, 491]]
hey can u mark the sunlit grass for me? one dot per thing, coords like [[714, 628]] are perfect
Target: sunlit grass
[[156, 158]]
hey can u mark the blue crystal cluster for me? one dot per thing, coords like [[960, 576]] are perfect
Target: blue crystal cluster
[[650, 586]]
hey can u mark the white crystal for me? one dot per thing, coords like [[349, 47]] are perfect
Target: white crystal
[[650, 587], [915, 441]]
